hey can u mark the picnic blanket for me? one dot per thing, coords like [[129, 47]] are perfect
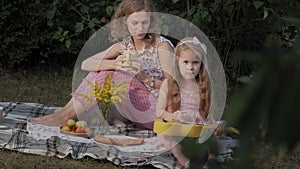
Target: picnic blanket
[[16, 133]]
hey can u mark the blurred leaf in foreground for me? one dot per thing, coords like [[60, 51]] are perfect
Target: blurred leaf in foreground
[[273, 95]]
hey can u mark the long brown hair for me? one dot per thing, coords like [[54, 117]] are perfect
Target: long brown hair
[[127, 7], [202, 80]]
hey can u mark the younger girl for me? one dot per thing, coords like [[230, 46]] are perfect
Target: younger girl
[[185, 97], [188, 93]]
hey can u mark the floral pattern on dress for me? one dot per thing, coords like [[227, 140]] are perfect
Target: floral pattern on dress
[[149, 57]]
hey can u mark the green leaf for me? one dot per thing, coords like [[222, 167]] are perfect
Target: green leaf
[[208, 18], [65, 33], [215, 5], [109, 10], [191, 12], [57, 34], [79, 27], [50, 23], [258, 4], [175, 1], [92, 22], [55, 2], [51, 13], [203, 14], [102, 3], [266, 13], [84, 9], [196, 19], [182, 14], [95, 9], [92, 31], [68, 43], [229, 8]]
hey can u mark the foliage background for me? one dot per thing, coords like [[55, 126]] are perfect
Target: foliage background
[[52, 32], [256, 40]]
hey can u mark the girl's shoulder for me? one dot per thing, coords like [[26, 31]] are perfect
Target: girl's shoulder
[[162, 41], [164, 85], [168, 81], [165, 81]]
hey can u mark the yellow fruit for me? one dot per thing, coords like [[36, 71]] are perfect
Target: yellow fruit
[[70, 122], [81, 123], [77, 125], [66, 128]]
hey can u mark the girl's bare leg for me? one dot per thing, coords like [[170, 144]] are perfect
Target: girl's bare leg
[[60, 117], [182, 160]]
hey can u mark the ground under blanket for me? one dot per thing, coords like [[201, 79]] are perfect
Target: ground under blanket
[[16, 133]]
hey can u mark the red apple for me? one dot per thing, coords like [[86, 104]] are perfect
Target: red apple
[[79, 130]]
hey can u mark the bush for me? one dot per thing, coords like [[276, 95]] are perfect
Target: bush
[[235, 26], [52, 32], [47, 32]]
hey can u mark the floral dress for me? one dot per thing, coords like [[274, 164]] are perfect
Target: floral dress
[[139, 101]]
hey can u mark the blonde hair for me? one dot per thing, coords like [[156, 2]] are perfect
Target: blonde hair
[[202, 78], [127, 7]]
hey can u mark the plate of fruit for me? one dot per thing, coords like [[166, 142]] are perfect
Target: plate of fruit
[[76, 128]]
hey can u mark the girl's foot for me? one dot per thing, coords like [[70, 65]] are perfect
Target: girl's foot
[[56, 119]]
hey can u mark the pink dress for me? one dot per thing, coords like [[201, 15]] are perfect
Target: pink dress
[[189, 108], [140, 102]]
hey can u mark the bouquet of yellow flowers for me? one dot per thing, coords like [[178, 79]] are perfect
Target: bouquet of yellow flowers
[[105, 95]]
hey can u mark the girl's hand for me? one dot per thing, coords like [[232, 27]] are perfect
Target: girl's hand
[[220, 129], [188, 117], [179, 115], [126, 64], [167, 116]]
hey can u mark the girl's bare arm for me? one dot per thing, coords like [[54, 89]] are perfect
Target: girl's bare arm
[[162, 103], [105, 60]]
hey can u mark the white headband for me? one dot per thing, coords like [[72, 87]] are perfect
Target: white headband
[[195, 41]]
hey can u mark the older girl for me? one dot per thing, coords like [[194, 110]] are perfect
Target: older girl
[[137, 23]]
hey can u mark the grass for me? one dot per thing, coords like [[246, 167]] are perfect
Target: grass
[[269, 157], [48, 87], [54, 88], [14, 160]]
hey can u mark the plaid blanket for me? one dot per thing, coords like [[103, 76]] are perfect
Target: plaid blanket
[[14, 135]]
